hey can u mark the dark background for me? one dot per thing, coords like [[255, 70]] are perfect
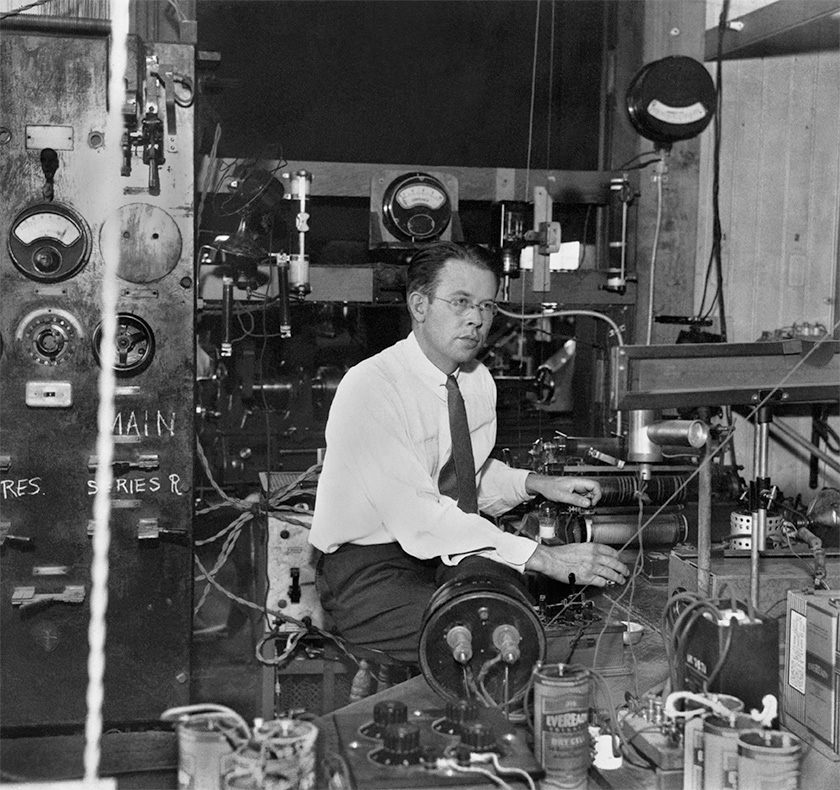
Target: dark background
[[405, 82]]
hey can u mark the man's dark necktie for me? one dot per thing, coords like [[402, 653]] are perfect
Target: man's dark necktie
[[457, 478]]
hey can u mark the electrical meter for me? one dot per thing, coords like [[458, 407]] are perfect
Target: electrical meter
[[49, 242], [671, 99], [412, 208], [416, 207]]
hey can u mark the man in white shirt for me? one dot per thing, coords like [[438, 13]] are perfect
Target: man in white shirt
[[381, 521]]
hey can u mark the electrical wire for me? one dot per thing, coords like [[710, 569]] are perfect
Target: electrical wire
[[654, 248], [502, 769], [724, 444], [533, 99], [715, 255], [563, 313], [497, 780]]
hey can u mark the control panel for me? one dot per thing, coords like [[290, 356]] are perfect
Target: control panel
[[55, 229]]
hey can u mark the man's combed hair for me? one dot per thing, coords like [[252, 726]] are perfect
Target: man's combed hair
[[427, 262]]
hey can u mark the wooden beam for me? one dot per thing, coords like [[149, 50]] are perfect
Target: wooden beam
[[352, 179]]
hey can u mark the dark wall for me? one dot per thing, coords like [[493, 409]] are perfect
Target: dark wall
[[405, 82]]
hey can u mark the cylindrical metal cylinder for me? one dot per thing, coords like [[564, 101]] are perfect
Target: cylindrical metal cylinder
[[769, 760], [480, 604], [562, 698], [280, 756], [667, 529], [682, 433], [617, 490], [741, 529], [204, 750], [640, 447], [720, 750]]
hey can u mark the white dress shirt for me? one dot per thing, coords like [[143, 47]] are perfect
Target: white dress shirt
[[387, 439]]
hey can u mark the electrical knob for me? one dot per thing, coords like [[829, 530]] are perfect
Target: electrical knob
[[476, 738], [385, 713], [456, 714], [400, 745]]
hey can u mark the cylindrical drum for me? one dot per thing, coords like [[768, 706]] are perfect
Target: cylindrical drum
[[471, 623], [280, 756], [720, 750], [205, 750], [562, 698], [740, 529], [667, 529], [768, 760]]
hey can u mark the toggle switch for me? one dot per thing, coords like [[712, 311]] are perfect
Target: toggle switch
[[49, 394], [141, 462], [26, 597]]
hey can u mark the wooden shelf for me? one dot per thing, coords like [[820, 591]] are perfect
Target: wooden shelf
[[786, 27]]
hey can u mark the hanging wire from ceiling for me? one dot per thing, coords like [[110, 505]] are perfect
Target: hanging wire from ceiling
[[550, 90], [533, 100], [715, 257]]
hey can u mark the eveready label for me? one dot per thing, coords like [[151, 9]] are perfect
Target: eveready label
[[796, 654], [564, 721]]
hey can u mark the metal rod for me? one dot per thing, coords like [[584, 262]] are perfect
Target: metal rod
[[780, 429], [759, 523], [704, 517]]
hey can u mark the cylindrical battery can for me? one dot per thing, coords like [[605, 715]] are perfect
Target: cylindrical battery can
[[562, 698]]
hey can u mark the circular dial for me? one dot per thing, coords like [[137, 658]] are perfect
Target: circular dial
[[49, 242], [134, 345], [671, 99], [416, 207], [49, 337]]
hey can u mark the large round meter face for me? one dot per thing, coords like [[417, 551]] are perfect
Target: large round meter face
[[49, 242], [416, 207], [47, 225], [421, 195]]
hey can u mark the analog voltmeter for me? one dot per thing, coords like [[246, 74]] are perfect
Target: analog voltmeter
[[416, 207], [49, 242]]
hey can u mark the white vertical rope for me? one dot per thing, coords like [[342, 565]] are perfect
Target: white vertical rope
[[110, 192]]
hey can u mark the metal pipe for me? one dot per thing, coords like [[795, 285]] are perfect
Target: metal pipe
[[759, 525], [780, 429], [704, 518]]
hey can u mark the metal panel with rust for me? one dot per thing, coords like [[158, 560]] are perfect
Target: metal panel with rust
[[57, 80]]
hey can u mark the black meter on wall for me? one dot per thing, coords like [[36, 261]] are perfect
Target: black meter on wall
[[671, 99], [411, 208]]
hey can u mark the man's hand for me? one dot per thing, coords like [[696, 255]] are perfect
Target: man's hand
[[578, 491], [589, 563]]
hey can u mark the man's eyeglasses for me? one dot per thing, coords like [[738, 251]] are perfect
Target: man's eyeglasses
[[461, 305]]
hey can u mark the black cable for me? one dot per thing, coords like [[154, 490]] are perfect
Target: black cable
[[717, 232]]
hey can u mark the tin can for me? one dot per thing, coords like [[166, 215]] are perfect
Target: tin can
[[562, 698], [280, 756], [769, 760], [204, 751], [720, 750]]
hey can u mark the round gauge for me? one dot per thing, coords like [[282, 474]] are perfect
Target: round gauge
[[671, 99], [134, 345], [49, 242], [416, 207], [50, 337]]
